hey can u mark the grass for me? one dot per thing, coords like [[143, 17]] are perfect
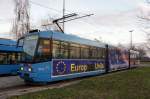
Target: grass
[[145, 62], [130, 84]]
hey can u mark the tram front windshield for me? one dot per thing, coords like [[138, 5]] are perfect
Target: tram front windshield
[[36, 49], [29, 48]]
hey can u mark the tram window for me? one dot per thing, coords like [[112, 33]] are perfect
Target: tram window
[[3, 58], [60, 50], [75, 51], [100, 53], [9, 58], [12, 58], [84, 52], [56, 49], [94, 53], [18, 57], [64, 50], [104, 53], [43, 51]]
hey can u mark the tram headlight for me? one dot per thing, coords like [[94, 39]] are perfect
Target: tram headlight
[[29, 69], [21, 68]]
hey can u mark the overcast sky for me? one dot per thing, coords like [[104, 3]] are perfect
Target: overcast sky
[[111, 22]]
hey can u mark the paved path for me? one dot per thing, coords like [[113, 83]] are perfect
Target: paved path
[[28, 89], [10, 81], [145, 65]]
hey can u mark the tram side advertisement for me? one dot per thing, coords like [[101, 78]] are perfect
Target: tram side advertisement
[[64, 67], [118, 59]]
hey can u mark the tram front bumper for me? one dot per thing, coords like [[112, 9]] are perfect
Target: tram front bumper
[[28, 76], [36, 77]]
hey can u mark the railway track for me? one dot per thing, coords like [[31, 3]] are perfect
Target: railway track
[[23, 89]]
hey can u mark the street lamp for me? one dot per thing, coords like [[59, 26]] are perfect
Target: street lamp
[[131, 31], [131, 42]]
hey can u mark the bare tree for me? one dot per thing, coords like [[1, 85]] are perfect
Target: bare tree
[[21, 25], [142, 52], [145, 23]]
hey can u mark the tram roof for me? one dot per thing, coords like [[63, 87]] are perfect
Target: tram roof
[[8, 48], [8, 45], [4, 41], [68, 38]]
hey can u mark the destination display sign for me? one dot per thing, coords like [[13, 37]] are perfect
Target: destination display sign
[[63, 67]]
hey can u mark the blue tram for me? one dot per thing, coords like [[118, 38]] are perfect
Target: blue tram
[[9, 57], [51, 56]]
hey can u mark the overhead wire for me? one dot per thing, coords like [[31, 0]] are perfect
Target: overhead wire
[[43, 6], [58, 11]]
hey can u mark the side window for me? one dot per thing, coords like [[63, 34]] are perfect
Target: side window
[[64, 50], [103, 53], [84, 52], [43, 51], [12, 58], [3, 58], [74, 51], [60, 50], [100, 53], [18, 57], [93, 51], [56, 49], [44, 47]]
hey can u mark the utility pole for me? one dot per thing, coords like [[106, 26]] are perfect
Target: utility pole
[[63, 15]]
